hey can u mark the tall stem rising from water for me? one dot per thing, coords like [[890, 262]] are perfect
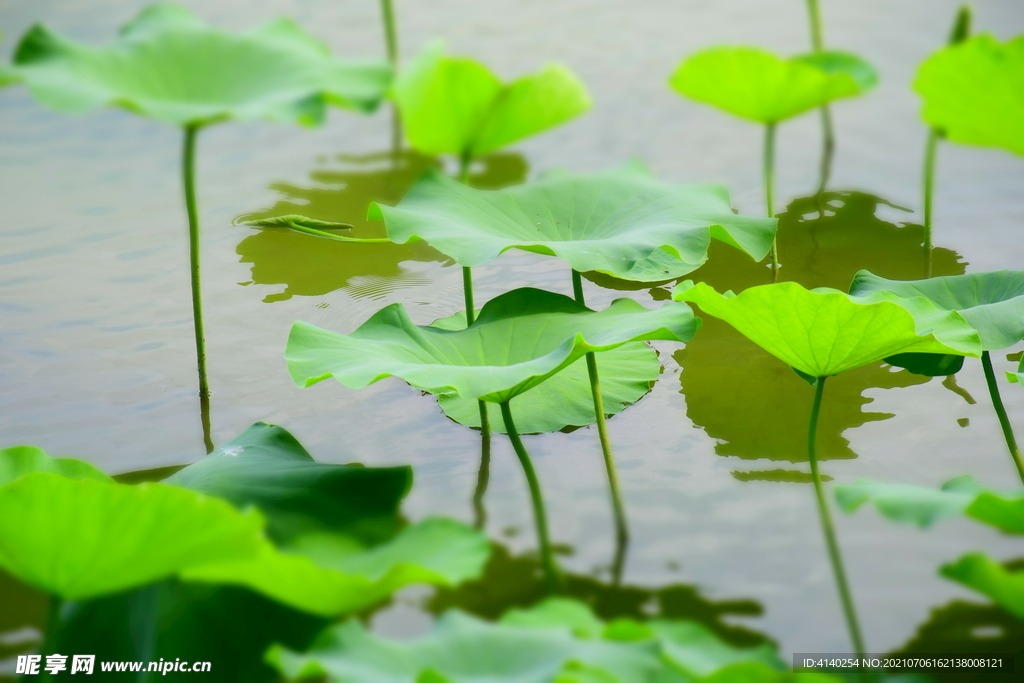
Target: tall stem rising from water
[[188, 176], [552, 578], [1004, 420], [769, 190], [619, 510], [828, 137], [828, 529], [391, 41]]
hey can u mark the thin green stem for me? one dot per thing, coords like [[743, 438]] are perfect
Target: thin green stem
[[930, 153], [828, 137], [769, 189], [1004, 421], [49, 644], [467, 294], [814, 12], [337, 238], [391, 42], [465, 162], [188, 161], [619, 510], [827, 528], [552, 579]]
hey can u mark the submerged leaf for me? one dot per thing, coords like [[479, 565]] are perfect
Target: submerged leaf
[[455, 105], [758, 85], [83, 539], [620, 222], [168, 65], [330, 575], [974, 92], [519, 340], [18, 461], [913, 504], [823, 332], [983, 574], [993, 303], [293, 219], [267, 467]]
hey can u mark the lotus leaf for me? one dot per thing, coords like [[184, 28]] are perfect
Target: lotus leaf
[[823, 332], [985, 575], [1003, 511], [457, 106], [760, 86], [294, 220], [267, 467], [168, 65], [18, 461], [329, 575], [620, 222], [79, 539], [993, 303], [519, 340], [565, 400], [913, 504], [972, 92]]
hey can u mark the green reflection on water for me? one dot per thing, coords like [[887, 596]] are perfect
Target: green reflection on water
[[753, 404], [308, 266]]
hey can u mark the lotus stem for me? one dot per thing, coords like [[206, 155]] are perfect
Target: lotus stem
[[337, 238], [465, 161], [930, 152], [1004, 421], [49, 645], [828, 529], [769, 190], [391, 42], [828, 137], [619, 510], [188, 173], [552, 579]]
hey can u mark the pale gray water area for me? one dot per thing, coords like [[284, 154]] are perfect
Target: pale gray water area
[[96, 349]]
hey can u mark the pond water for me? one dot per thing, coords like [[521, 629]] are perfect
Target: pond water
[[97, 357]]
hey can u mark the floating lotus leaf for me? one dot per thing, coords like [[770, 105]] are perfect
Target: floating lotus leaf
[[519, 340], [167, 65], [763, 87], [993, 303], [558, 639], [455, 105], [83, 539], [620, 222], [983, 574], [913, 504], [823, 332], [1003, 511], [18, 461], [565, 400], [972, 92], [328, 575], [267, 467]]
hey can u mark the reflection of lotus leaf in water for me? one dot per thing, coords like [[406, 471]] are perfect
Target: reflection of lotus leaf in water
[[310, 266], [515, 581], [753, 404]]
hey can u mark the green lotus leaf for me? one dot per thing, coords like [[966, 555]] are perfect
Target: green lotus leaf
[[80, 539], [760, 86], [267, 467], [1016, 377], [823, 332], [912, 504], [328, 575], [620, 222], [564, 400], [168, 65], [456, 105], [985, 575], [8, 75], [698, 652], [556, 612], [972, 92], [519, 340], [755, 672], [463, 649], [1003, 511], [993, 303], [18, 461]]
